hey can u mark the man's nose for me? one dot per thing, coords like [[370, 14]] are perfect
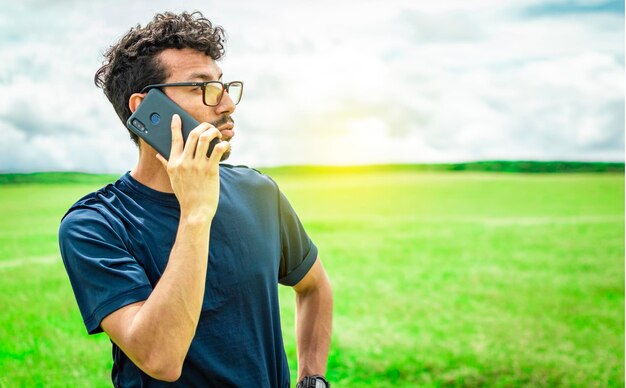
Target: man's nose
[[226, 105]]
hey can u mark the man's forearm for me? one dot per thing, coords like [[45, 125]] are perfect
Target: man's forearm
[[314, 315], [166, 323]]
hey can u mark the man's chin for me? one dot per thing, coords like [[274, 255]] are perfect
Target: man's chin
[[226, 154]]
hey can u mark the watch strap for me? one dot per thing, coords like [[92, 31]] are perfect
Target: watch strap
[[311, 382]]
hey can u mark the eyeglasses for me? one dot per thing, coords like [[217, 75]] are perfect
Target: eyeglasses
[[212, 91]]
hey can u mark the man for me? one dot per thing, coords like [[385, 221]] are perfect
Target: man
[[178, 261]]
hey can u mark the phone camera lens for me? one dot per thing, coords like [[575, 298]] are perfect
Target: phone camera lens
[[155, 118], [139, 125]]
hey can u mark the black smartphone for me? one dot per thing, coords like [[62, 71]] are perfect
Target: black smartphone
[[153, 119]]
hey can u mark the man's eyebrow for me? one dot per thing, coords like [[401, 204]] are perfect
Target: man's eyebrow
[[204, 77]]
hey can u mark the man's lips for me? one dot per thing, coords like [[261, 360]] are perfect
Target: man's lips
[[227, 130]]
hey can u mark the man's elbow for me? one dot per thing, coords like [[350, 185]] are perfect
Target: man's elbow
[[161, 368]]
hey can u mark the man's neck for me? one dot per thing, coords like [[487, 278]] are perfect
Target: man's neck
[[150, 172]]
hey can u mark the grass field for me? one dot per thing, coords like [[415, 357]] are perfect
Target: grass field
[[440, 279]]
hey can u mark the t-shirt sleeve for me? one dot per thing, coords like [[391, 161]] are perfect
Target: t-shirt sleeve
[[104, 275], [298, 253]]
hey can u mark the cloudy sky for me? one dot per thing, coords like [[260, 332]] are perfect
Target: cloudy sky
[[336, 82]]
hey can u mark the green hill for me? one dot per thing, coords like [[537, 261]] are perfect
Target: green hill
[[488, 166]]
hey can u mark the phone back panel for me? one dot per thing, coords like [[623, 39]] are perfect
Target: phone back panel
[[152, 122]]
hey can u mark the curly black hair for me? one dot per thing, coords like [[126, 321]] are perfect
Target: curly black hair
[[131, 63]]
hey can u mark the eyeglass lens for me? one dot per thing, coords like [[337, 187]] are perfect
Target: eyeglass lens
[[213, 92], [235, 90]]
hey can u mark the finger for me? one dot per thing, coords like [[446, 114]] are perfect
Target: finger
[[177, 137], [162, 160], [218, 151], [204, 142], [192, 140]]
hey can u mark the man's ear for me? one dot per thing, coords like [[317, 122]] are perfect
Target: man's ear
[[134, 101]]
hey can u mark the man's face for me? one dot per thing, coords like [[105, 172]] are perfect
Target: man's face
[[188, 65]]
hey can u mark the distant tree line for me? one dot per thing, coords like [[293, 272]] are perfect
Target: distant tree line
[[487, 166], [535, 166]]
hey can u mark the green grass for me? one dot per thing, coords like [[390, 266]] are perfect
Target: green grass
[[440, 279]]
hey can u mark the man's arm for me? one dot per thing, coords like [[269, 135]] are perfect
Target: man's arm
[[156, 333], [314, 315]]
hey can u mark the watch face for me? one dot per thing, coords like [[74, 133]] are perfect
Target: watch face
[[320, 384]]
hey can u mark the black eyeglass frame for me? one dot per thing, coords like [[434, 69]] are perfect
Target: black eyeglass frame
[[203, 84]]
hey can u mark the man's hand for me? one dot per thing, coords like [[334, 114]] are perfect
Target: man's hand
[[194, 177]]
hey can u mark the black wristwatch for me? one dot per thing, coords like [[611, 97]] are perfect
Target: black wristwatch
[[315, 381]]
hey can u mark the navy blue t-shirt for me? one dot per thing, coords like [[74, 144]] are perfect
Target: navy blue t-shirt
[[115, 245]]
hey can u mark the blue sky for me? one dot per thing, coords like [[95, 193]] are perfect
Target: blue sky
[[350, 82]]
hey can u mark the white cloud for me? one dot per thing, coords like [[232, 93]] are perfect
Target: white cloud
[[334, 82]]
